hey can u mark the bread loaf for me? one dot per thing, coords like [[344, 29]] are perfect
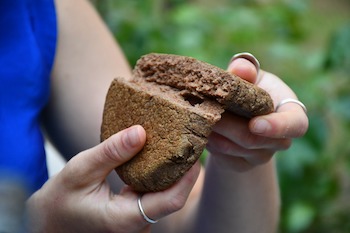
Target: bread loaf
[[176, 131], [177, 100]]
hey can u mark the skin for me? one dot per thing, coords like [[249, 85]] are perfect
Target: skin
[[237, 189]]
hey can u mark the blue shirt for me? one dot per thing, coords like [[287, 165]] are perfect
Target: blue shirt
[[28, 35]]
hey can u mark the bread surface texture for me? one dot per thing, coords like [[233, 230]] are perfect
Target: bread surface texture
[[176, 131], [177, 100], [186, 73]]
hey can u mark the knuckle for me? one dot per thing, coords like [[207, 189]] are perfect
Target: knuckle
[[67, 176], [225, 148], [174, 204], [111, 149], [251, 141], [222, 145]]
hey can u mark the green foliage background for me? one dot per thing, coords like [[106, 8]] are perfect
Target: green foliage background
[[306, 43]]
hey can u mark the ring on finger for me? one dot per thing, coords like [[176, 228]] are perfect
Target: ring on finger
[[250, 57], [290, 100], [149, 220]]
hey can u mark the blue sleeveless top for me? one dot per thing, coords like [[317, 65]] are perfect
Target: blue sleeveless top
[[28, 35]]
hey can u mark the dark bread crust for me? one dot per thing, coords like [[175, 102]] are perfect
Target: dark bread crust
[[176, 131], [186, 73]]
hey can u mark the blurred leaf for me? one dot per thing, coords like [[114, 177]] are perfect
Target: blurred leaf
[[299, 155], [338, 56], [300, 216]]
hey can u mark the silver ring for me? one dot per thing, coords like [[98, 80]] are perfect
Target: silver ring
[[149, 220], [290, 100], [250, 57]]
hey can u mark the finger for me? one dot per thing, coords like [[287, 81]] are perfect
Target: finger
[[160, 204], [236, 129], [219, 144], [290, 122], [244, 68], [232, 150], [277, 89], [95, 164], [123, 213]]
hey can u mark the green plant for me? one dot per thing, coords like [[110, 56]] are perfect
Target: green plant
[[292, 39]]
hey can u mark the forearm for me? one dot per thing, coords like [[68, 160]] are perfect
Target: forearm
[[239, 201], [87, 60]]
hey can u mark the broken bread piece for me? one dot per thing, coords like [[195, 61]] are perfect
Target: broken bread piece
[[177, 100], [177, 126], [185, 73]]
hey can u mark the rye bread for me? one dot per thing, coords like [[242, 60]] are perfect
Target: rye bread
[[186, 73], [177, 100], [177, 130]]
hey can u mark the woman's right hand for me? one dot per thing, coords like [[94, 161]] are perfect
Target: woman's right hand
[[79, 199]]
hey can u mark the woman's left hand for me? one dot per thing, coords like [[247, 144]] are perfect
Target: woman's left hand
[[239, 143]]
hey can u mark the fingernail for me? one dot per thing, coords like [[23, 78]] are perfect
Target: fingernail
[[232, 65], [132, 136], [261, 126], [250, 57]]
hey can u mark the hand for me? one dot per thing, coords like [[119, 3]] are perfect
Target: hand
[[240, 143], [79, 199]]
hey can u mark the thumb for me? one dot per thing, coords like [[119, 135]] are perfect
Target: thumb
[[95, 164], [245, 66]]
